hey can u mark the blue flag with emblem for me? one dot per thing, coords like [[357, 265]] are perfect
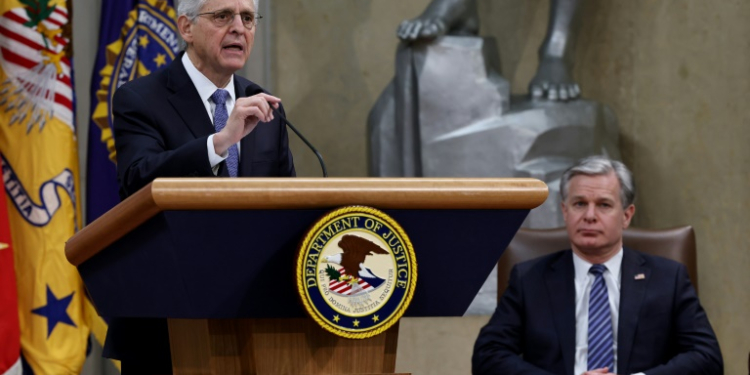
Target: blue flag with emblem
[[136, 37]]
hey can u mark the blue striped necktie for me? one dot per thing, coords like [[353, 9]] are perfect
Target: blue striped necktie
[[220, 121], [601, 345]]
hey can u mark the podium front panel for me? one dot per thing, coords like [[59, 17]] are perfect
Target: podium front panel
[[240, 264]]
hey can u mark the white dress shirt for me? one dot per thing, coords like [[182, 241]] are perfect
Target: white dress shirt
[[206, 88], [583, 282]]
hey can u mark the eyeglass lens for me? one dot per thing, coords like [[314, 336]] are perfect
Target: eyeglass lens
[[225, 17]]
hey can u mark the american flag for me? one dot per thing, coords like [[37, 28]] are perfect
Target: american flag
[[347, 289], [21, 48]]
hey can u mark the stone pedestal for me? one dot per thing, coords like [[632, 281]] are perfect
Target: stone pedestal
[[438, 86]]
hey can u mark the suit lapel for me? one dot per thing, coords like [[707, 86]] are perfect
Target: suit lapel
[[561, 288], [186, 101], [246, 144], [634, 277], [246, 155]]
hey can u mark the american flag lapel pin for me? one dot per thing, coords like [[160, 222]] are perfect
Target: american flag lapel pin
[[640, 276]]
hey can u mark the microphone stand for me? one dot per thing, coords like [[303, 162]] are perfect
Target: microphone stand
[[314, 150]]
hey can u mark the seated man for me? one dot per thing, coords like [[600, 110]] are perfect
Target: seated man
[[598, 308]]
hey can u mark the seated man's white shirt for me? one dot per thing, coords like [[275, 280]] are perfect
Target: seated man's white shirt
[[205, 89]]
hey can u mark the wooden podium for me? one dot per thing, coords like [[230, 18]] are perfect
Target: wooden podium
[[228, 290]]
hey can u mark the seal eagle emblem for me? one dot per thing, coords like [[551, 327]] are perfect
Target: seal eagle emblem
[[356, 272]]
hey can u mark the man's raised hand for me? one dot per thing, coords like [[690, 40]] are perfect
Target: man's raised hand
[[247, 113]]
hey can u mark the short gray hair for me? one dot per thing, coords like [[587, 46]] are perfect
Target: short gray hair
[[597, 166], [191, 8]]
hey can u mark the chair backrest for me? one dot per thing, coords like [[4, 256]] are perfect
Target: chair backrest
[[676, 243]]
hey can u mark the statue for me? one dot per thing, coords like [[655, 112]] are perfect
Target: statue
[[417, 128]]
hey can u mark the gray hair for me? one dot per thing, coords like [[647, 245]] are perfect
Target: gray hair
[[597, 166], [191, 8]]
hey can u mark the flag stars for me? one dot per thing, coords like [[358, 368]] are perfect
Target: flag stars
[[55, 311], [336, 318], [356, 323], [375, 318], [143, 41], [160, 59]]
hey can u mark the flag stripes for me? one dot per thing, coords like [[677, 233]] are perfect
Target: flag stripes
[[19, 49], [348, 289]]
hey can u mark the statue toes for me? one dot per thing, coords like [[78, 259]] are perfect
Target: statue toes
[[430, 30], [536, 91], [552, 93], [563, 93], [405, 30], [572, 94], [416, 29]]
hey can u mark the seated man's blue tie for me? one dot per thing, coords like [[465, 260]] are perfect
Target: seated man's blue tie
[[601, 345], [220, 121]]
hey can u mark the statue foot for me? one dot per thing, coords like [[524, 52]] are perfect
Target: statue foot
[[451, 17], [421, 28], [553, 81]]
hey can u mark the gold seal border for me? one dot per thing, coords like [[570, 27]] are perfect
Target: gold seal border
[[302, 290]]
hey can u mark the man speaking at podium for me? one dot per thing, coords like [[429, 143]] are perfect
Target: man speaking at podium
[[192, 119], [598, 308]]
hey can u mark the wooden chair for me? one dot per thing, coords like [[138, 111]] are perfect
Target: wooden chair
[[675, 243]]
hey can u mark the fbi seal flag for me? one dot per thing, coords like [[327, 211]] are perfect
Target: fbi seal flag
[[356, 272], [148, 41]]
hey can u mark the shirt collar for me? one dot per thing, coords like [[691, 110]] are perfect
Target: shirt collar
[[205, 87], [582, 267]]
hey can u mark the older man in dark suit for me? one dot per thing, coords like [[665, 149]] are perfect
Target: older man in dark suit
[[193, 119], [598, 308]]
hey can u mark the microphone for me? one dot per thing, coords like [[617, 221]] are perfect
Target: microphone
[[254, 90]]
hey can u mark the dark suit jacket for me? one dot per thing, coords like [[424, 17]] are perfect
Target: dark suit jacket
[[161, 128], [662, 326]]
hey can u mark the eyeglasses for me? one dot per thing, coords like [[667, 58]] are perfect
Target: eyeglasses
[[224, 17]]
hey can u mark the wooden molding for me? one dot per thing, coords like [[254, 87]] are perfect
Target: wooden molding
[[275, 346], [165, 194], [111, 226]]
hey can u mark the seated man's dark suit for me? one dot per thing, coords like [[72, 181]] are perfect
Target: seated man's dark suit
[[161, 129], [662, 326]]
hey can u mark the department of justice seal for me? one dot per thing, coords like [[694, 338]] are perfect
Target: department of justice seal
[[356, 272]]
